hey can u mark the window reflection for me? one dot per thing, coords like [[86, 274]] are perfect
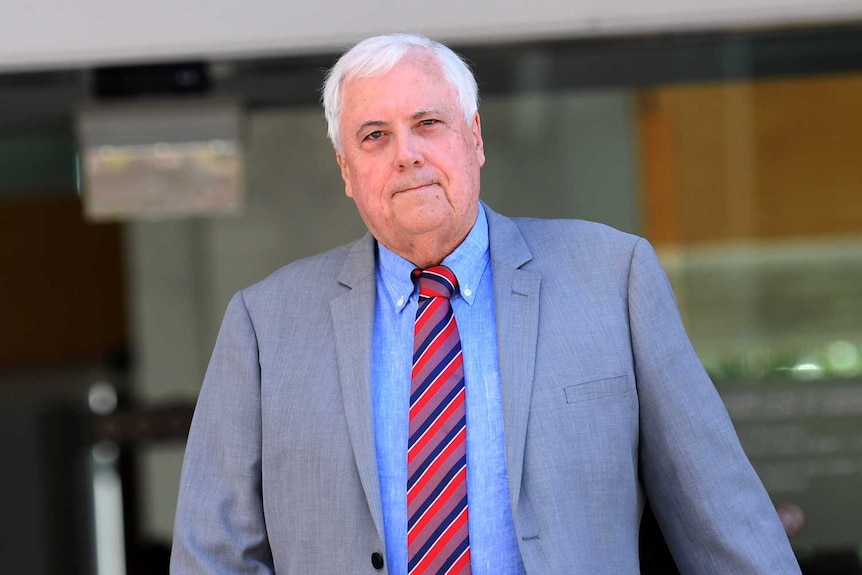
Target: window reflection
[[751, 190]]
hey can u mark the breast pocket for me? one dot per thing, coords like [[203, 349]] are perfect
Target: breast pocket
[[597, 389]]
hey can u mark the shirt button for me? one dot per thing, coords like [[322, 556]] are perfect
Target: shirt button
[[377, 560], [400, 301], [468, 292]]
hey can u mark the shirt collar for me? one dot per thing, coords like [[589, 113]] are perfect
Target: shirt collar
[[468, 262]]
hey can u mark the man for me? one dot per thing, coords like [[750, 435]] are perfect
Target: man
[[563, 390]]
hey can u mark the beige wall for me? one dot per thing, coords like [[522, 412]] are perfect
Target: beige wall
[[84, 32]]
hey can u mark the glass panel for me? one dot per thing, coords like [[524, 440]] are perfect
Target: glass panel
[[753, 195]]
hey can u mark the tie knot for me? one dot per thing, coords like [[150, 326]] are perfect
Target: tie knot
[[437, 281]]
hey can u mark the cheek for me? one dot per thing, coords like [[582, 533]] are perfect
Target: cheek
[[467, 171], [368, 186]]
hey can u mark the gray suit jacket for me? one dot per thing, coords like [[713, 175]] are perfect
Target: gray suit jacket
[[605, 403]]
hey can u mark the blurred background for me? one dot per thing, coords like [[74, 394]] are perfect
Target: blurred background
[[156, 158]]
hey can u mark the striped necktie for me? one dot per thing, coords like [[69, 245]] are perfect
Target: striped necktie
[[437, 535]]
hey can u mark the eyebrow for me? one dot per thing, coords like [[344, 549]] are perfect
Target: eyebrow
[[423, 113]]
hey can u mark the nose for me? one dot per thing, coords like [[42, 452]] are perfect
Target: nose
[[408, 152]]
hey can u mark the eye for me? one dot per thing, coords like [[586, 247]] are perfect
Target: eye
[[375, 135], [428, 122]]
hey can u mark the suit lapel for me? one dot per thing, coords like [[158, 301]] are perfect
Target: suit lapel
[[353, 324], [516, 295]]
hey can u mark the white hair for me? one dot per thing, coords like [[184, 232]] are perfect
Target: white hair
[[376, 56]]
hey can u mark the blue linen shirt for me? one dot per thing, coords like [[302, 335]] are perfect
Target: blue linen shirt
[[493, 544]]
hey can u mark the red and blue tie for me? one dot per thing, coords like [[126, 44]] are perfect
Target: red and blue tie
[[437, 534]]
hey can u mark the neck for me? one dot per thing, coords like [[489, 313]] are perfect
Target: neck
[[427, 252], [430, 247]]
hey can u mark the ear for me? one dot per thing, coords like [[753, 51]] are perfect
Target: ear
[[476, 128], [345, 174]]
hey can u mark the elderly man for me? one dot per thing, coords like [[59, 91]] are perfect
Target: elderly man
[[457, 391]]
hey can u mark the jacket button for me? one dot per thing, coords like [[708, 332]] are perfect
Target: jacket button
[[377, 560]]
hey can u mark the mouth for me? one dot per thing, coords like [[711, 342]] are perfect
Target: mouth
[[415, 187]]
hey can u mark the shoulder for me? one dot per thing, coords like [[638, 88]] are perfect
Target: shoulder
[[592, 233], [578, 242], [304, 281]]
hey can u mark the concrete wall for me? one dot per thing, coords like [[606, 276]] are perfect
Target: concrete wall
[[45, 33]]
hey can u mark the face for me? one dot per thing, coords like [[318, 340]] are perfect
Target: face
[[410, 161]]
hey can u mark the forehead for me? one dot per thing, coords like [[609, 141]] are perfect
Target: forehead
[[415, 83]]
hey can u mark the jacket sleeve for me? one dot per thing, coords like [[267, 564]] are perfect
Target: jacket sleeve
[[219, 526], [712, 508]]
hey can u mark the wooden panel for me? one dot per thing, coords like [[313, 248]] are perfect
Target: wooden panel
[[61, 289], [809, 144], [658, 173], [771, 159]]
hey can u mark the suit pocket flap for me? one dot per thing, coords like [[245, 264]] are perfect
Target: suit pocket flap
[[596, 389]]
